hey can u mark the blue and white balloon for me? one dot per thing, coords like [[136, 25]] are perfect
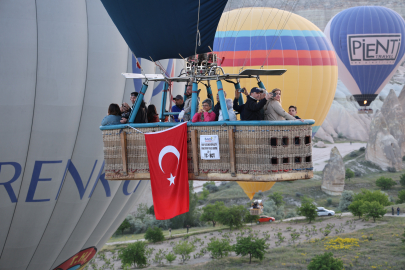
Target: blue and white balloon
[[369, 48]]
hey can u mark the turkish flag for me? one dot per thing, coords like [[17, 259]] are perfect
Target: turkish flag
[[167, 156]]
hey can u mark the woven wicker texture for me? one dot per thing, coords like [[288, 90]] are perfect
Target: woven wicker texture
[[260, 150]]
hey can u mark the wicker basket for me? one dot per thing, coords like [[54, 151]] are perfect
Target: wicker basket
[[248, 153], [256, 211]]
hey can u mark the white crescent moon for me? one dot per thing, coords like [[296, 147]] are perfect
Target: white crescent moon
[[168, 149]]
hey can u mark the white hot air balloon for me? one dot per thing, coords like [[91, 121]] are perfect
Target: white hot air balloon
[[61, 64]]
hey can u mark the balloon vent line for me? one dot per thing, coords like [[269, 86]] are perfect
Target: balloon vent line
[[137, 130]]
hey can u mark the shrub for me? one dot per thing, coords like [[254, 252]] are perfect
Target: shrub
[[151, 210], [357, 173], [219, 248], [325, 261], [124, 225], [403, 158], [133, 254], [184, 248], [370, 164], [277, 197], [307, 209], [354, 154], [370, 196], [341, 243], [298, 194], [362, 149], [212, 188], [291, 214], [340, 135], [271, 209], [233, 216], [355, 208], [373, 210], [391, 169], [349, 174], [345, 200], [170, 257], [251, 218], [401, 196], [254, 247], [154, 234], [329, 201], [159, 256], [402, 180], [385, 183]]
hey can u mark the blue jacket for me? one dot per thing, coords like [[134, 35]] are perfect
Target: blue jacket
[[111, 120], [177, 109]]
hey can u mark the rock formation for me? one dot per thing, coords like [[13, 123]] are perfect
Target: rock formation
[[382, 148], [401, 97], [333, 177], [395, 118], [320, 144]]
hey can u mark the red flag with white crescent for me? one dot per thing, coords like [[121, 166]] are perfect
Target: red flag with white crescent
[[167, 156]]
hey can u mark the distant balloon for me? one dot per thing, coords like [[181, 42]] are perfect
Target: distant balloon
[[60, 68], [369, 48], [251, 188], [276, 39]]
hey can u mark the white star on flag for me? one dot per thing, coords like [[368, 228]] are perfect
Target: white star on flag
[[171, 179]]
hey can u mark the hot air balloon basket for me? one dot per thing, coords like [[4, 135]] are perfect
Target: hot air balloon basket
[[256, 211], [247, 153]]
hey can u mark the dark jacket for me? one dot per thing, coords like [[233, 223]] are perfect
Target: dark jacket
[[216, 109], [141, 116], [239, 108], [296, 117], [252, 108]]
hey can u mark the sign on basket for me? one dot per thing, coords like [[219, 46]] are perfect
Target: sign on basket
[[209, 147]]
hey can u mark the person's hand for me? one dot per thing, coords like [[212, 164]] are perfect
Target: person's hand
[[302, 120], [268, 96], [201, 111], [123, 120], [245, 92]]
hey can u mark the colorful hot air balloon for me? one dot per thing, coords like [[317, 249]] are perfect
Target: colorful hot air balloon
[[277, 39], [59, 70], [369, 48]]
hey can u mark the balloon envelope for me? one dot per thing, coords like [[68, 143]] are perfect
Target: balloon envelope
[[369, 48], [276, 39], [61, 64]]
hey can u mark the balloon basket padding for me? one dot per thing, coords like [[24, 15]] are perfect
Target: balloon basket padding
[[366, 111], [266, 153], [255, 212]]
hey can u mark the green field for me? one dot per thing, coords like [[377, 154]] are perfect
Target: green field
[[380, 247]]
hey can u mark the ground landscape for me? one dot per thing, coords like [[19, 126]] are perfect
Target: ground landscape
[[292, 241]]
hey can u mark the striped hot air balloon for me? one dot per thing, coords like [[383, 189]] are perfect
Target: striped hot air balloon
[[277, 39]]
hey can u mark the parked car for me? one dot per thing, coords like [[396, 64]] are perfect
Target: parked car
[[266, 219], [324, 212]]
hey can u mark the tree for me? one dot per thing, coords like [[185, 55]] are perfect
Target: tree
[[154, 234], [373, 209], [371, 196], [124, 225], [385, 183], [402, 180], [401, 196], [349, 174], [151, 210], [133, 254], [254, 247], [170, 257], [345, 200], [355, 208], [251, 218], [184, 248], [219, 248], [325, 261], [307, 209], [233, 216], [277, 197], [211, 212]]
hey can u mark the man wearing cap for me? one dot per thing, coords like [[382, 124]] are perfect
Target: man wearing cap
[[253, 106], [178, 107]]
